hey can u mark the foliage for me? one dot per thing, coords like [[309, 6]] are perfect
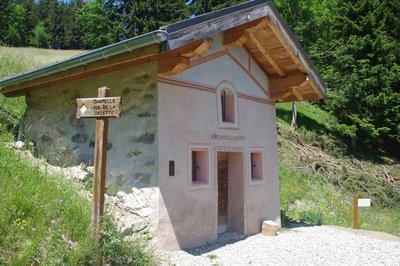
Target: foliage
[[131, 18], [96, 25], [40, 38], [204, 6]]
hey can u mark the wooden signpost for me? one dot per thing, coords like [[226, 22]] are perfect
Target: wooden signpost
[[357, 204], [101, 108]]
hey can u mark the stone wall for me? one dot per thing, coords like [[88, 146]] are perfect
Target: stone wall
[[66, 141]]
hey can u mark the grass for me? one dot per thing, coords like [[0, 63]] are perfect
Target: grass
[[309, 196], [37, 56], [44, 221]]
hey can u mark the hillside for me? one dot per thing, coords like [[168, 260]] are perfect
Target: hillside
[[319, 173]]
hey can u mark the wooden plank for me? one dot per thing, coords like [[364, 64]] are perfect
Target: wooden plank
[[208, 28], [284, 43], [283, 84], [98, 107], [99, 177], [266, 54]]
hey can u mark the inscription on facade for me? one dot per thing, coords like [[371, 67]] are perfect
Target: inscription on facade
[[227, 137]]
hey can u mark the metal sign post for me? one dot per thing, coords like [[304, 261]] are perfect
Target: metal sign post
[[101, 108]]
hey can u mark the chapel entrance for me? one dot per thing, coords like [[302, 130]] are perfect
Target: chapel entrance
[[230, 192]]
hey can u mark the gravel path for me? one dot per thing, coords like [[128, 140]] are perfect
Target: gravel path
[[307, 245]]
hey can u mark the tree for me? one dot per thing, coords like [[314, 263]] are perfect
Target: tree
[[135, 17], [5, 6], [96, 26], [199, 7], [365, 70], [40, 38], [15, 34]]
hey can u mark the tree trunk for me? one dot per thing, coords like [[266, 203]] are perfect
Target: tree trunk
[[294, 116]]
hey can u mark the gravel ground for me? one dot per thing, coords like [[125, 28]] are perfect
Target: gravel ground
[[303, 245]]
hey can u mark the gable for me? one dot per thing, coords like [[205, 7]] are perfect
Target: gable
[[233, 65]]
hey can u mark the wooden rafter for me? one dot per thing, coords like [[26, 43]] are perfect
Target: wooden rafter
[[284, 43], [266, 54], [203, 47], [280, 85], [237, 37], [173, 66], [297, 92]]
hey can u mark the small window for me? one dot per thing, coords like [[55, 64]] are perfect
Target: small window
[[256, 166], [200, 168], [227, 105]]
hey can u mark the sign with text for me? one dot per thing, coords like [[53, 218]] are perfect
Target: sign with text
[[364, 202], [98, 107]]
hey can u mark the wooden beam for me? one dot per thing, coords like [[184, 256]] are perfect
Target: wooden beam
[[281, 98], [173, 66], [265, 53], [284, 43], [296, 92], [203, 47], [281, 85], [236, 37]]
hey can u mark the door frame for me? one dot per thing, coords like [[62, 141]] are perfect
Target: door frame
[[215, 169]]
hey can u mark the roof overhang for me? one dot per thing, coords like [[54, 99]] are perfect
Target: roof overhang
[[256, 26]]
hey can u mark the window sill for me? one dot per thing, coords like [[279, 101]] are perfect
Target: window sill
[[256, 181], [199, 185]]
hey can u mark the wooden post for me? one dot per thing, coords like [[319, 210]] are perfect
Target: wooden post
[[355, 212], [99, 178]]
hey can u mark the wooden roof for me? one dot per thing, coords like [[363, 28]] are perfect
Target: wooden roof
[[257, 27]]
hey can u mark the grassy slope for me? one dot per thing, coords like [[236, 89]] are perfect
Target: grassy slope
[[16, 60], [318, 181], [43, 221]]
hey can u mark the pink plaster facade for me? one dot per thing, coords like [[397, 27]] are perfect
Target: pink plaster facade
[[188, 118]]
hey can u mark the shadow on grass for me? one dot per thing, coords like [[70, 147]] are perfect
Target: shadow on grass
[[304, 121], [288, 223], [362, 152]]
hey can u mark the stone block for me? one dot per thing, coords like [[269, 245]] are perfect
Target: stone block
[[269, 228]]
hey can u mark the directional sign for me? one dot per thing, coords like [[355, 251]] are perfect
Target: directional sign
[[364, 202], [98, 107]]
